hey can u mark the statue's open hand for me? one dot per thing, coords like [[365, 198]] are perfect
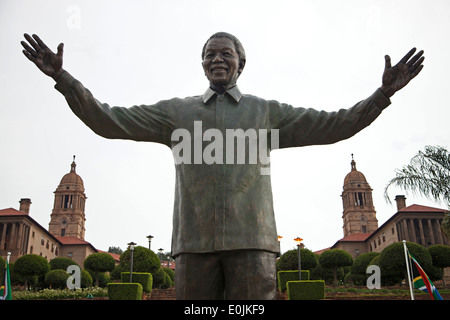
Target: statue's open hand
[[44, 58], [398, 76]]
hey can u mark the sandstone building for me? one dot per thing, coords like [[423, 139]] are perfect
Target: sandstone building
[[415, 223], [20, 234]]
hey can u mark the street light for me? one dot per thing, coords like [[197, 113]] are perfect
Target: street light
[[149, 241], [299, 240], [279, 246], [160, 254], [131, 246]]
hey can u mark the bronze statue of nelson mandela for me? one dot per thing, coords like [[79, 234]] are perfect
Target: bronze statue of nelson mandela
[[224, 236]]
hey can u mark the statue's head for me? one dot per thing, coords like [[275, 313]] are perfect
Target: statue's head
[[223, 60]]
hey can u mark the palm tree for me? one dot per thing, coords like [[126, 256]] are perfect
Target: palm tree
[[428, 174]]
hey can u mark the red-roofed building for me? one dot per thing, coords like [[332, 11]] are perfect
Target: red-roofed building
[[20, 234], [414, 223]]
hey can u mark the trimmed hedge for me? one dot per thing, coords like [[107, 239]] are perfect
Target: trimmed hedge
[[56, 279], [124, 291], [306, 290], [290, 275], [143, 278]]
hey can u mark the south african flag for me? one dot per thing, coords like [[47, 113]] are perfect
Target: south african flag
[[421, 280]]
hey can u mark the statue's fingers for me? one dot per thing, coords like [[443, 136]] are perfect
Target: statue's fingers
[[39, 41], [408, 55], [415, 58], [387, 62], [28, 49], [29, 55], [32, 42], [416, 71]]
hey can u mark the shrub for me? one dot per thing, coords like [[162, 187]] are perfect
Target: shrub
[[144, 260], [358, 274], [86, 279], [392, 262], [167, 281], [56, 279], [31, 266], [171, 274], [159, 277], [102, 278], [145, 279], [361, 263], [334, 259], [124, 291], [99, 262], [61, 263], [289, 260], [289, 275], [306, 290], [440, 255]]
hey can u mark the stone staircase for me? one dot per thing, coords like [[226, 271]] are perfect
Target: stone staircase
[[162, 294], [169, 294]]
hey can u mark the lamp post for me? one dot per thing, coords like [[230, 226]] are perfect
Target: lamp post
[[160, 255], [299, 240], [131, 246], [279, 246], [149, 241]]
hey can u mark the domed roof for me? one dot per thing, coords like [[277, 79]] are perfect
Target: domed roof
[[72, 178], [354, 176]]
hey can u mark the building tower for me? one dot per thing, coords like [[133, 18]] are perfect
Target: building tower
[[359, 214], [67, 218]]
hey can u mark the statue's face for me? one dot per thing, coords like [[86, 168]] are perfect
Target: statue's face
[[221, 63]]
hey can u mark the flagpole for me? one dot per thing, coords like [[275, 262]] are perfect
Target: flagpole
[[407, 268]]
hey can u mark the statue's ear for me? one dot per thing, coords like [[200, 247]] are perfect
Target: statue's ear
[[241, 66]]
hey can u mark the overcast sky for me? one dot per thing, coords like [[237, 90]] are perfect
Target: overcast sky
[[321, 54]]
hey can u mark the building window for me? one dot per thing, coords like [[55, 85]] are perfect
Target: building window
[[68, 201], [42, 241], [359, 199], [364, 229], [63, 232]]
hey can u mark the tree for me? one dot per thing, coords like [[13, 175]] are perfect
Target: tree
[[358, 271], [334, 259], [428, 174], [61, 263], [56, 279], [289, 260], [445, 225], [362, 262], [99, 262], [392, 262], [440, 256], [144, 260], [116, 250], [31, 265]]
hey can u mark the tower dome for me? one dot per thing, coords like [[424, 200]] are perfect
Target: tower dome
[[359, 214], [72, 179], [354, 176], [68, 218]]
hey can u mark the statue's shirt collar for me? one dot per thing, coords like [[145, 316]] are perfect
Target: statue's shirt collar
[[234, 92]]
